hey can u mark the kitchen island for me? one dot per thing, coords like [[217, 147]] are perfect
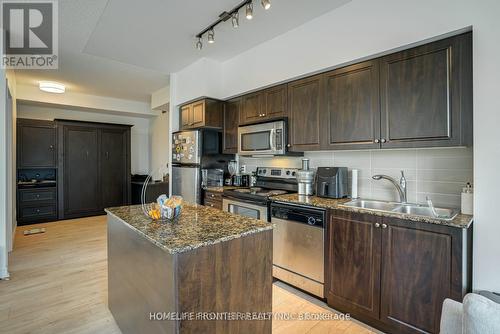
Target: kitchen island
[[209, 271]]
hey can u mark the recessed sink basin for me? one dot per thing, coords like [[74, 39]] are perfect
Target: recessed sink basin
[[409, 209], [418, 210], [373, 205]]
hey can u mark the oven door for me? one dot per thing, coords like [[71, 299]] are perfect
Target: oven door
[[262, 139], [245, 209]]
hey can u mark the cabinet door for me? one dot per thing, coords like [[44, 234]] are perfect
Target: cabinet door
[[231, 122], [186, 116], [82, 193], [421, 96], [198, 114], [36, 144], [251, 108], [353, 263], [304, 112], [275, 102], [114, 187], [352, 110], [416, 278]]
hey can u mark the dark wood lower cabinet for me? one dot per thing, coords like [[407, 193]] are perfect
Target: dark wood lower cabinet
[[395, 274]]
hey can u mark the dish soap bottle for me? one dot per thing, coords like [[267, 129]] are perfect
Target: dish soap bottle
[[467, 200]]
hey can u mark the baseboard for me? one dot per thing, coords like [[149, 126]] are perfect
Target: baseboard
[[4, 273]]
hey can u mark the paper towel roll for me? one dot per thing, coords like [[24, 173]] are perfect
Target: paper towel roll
[[354, 183]]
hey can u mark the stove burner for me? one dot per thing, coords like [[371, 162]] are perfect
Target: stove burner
[[252, 190]]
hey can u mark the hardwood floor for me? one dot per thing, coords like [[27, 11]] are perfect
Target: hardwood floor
[[58, 284]]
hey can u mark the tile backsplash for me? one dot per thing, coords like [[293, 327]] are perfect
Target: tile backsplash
[[439, 173]]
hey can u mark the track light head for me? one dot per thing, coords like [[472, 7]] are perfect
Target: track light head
[[266, 4], [249, 11], [199, 44], [235, 19], [211, 36]]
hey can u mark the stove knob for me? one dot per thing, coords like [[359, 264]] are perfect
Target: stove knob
[[311, 221], [287, 172], [293, 173], [264, 171]]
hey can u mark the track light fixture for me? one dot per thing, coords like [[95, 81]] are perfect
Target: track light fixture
[[235, 19], [233, 15], [249, 11], [211, 36], [266, 4], [199, 44]]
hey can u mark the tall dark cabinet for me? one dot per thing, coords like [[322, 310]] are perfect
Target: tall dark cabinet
[[94, 167], [36, 144]]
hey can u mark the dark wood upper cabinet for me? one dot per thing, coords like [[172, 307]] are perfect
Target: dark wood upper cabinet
[[252, 108], [351, 117], [304, 113], [353, 252], [275, 102], [231, 122], [205, 113], [426, 95], [394, 274], [417, 277], [36, 144]]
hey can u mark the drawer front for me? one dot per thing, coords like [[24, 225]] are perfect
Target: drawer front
[[37, 195], [33, 213], [213, 203], [213, 196]]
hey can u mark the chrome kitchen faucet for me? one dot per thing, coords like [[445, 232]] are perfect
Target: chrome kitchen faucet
[[400, 187]]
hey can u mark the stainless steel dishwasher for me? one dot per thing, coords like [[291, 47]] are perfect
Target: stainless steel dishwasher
[[298, 246]]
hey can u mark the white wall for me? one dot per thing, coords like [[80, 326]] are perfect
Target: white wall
[[11, 168], [365, 27], [160, 144], [140, 139], [4, 179]]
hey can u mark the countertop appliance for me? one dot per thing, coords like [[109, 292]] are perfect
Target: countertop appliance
[[254, 202], [192, 151], [298, 246], [262, 139], [212, 177], [332, 182], [305, 179]]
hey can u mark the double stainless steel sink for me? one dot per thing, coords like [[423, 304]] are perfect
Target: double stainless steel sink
[[404, 208]]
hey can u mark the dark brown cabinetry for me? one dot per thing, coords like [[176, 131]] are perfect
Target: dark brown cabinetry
[[231, 123], [304, 112], [351, 111], [94, 168], [264, 105], [36, 205], [213, 199], [395, 274], [426, 95], [206, 113], [36, 144]]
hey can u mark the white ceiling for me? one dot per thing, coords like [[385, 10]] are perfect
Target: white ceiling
[[127, 48]]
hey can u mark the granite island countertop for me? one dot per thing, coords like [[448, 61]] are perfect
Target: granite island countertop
[[460, 221], [195, 227]]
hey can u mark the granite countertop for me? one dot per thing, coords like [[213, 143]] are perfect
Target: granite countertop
[[460, 221], [220, 189], [196, 226]]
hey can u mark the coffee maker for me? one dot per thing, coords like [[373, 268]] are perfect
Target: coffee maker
[[331, 182]]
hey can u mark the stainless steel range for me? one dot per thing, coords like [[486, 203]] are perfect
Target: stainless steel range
[[254, 202]]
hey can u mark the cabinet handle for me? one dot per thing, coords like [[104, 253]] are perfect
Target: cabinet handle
[[383, 140], [377, 225], [288, 145], [37, 210], [384, 225], [212, 195], [37, 195], [51, 147], [376, 141]]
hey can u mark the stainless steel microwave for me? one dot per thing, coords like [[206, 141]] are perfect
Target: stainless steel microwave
[[262, 139]]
